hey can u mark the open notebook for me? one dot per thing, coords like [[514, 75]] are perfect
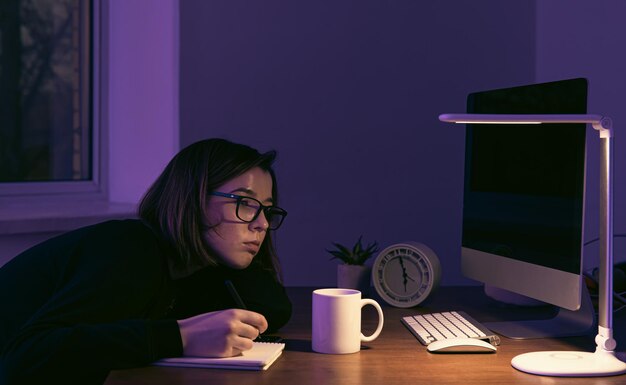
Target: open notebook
[[260, 357]]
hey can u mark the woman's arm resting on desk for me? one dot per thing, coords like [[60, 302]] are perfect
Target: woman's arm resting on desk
[[85, 353], [79, 306]]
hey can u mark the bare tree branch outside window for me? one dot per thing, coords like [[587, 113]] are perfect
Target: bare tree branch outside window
[[45, 66]]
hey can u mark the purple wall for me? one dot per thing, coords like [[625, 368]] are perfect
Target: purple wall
[[588, 39], [349, 92]]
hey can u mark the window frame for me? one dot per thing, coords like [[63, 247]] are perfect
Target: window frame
[[96, 187]]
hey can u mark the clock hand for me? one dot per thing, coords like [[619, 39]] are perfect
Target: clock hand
[[404, 274], [402, 265]]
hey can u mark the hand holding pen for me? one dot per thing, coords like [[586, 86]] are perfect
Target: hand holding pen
[[224, 333]]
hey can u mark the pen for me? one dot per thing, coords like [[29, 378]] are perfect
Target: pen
[[241, 305], [234, 294]]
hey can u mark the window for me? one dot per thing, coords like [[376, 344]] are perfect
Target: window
[[48, 139], [115, 103]]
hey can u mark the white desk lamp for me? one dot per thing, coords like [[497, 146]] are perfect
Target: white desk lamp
[[603, 361]]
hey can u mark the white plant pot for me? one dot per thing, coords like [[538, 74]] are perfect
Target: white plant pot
[[354, 277]]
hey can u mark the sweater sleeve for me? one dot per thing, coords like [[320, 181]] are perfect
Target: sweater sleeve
[[85, 353], [205, 291], [262, 293], [94, 319]]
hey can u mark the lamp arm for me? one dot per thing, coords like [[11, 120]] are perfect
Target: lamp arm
[[604, 339]]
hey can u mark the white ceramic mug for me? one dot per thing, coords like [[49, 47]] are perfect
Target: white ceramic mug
[[337, 321]]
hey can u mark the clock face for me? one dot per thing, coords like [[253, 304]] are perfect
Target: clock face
[[405, 274]]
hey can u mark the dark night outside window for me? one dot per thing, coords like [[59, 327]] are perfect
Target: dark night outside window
[[45, 91]]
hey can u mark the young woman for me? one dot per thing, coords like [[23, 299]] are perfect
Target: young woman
[[123, 294]]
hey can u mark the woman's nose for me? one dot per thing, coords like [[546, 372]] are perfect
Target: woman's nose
[[260, 223]]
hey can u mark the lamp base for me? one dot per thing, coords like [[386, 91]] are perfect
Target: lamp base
[[569, 364]]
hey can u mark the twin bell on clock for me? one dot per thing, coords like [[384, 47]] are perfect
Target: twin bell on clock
[[404, 274]]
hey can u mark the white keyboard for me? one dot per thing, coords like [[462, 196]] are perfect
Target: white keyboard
[[432, 327]]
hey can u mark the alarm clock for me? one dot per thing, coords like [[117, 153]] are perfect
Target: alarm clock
[[404, 274]]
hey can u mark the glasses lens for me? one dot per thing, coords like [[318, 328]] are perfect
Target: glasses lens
[[275, 217], [247, 208]]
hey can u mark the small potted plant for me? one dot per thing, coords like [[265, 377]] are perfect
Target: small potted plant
[[353, 273]]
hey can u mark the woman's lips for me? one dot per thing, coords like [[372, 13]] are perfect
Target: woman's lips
[[252, 247]]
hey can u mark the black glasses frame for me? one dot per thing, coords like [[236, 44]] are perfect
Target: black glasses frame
[[270, 212]]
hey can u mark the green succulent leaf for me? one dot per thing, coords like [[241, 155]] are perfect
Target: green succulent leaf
[[355, 256]]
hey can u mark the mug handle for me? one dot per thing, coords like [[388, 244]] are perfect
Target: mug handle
[[381, 319]]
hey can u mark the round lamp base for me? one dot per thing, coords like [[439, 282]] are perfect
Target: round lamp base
[[569, 364]]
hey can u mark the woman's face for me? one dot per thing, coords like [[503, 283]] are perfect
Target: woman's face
[[230, 240]]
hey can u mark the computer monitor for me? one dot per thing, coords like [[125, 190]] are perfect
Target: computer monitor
[[523, 204]]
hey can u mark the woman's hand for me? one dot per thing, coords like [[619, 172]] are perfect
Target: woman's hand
[[224, 333]]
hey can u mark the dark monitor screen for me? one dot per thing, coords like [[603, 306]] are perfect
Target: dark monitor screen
[[524, 184]]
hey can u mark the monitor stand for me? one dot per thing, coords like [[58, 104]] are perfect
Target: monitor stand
[[566, 323]]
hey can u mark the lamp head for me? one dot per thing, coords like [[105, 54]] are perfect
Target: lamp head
[[603, 124]]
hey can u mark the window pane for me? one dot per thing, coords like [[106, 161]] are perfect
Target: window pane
[[45, 62]]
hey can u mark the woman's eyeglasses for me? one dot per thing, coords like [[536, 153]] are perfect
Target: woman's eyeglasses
[[248, 209]]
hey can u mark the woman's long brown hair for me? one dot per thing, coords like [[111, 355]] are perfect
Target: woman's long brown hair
[[175, 205]]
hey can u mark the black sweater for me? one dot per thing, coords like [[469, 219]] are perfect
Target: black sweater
[[100, 298]]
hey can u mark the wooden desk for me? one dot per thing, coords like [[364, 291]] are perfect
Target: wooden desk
[[396, 357]]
